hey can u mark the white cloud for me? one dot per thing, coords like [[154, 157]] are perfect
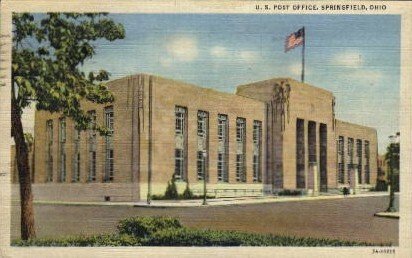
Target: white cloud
[[219, 51], [296, 69], [165, 61], [182, 48], [367, 76], [351, 59], [248, 56]]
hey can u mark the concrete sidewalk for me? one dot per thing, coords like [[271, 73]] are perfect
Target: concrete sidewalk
[[216, 202], [391, 215]]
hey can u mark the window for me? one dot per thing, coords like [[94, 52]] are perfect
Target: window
[[367, 150], [341, 173], [341, 160], [241, 149], [76, 156], [367, 163], [350, 165], [92, 145], [367, 174], [348, 169], [179, 164], [222, 127], [49, 149], [180, 142], [350, 150], [312, 142], [240, 174], [180, 119], [92, 166], [202, 124], [202, 144], [341, 145], [300, 153], [223, 145], [62, 145], [359, 157], [257, 151], [201, 165], [109, 163], [240, 129]]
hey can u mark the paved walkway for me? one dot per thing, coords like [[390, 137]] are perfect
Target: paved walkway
[[218, 201], [392, 215]]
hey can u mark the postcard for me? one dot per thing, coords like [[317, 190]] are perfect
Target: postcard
[[191, 129]]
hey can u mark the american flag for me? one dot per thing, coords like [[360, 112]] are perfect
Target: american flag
[[295, 39]]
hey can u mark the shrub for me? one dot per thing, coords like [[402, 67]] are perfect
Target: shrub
[[171, 190], [94, 240], [346, 191], [288, 192], [381, 186], [187, 194], [145, 226], [196, 237]]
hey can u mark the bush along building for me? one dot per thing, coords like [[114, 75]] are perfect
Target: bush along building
[[270, 136]]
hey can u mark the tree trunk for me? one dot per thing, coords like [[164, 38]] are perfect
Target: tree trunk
[[391, 207], [22, 155]]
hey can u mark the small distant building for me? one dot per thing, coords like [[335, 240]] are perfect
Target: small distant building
[[271, 135]]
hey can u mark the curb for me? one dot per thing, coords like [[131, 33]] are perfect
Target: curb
[[391, 215], [217, 202]]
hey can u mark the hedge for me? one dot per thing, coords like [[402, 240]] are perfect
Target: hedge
[[196, 237], [168, 231], [93, 240]]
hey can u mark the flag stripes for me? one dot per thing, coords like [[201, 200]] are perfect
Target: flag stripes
[[295, 39]]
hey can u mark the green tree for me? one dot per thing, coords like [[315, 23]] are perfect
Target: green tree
[[392, 159], [48, 53]]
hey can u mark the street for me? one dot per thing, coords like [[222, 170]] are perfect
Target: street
[[347, 219]]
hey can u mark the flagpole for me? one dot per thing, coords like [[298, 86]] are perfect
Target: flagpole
[[303, 55]]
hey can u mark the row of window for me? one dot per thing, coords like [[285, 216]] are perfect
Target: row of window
[[363, 169], [91, 149], [222, 147]]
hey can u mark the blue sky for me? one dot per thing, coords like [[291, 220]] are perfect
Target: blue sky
[[355, 57]]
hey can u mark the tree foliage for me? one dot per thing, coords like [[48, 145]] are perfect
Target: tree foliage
[[48, 53], [392, 155]]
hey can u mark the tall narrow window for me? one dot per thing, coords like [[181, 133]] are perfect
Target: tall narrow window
[[180, 142], [367, 161], [350, 157], [341, 173], [92, 144], [300, 153], [257, 151], [76, 156], [202, 144], [341, 160], [241, 149], [109, 163], [49, 150], [323, 157], [223, 146], [62, 151], [312, 142], [359, 157]]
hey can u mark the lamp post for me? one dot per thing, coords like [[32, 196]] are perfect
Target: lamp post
[[204, 178]]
